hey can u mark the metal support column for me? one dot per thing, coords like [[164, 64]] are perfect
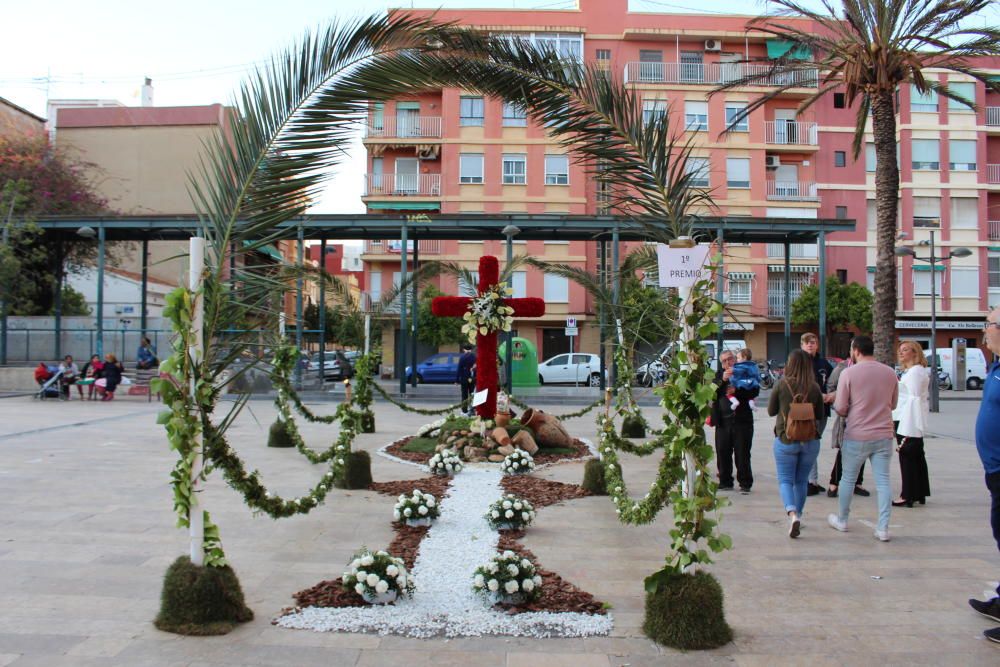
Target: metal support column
[[100, 289], [57, 297], [788, 299], [144, 299], [401, 343], [602, 276], [298, 304], [322, 312], [414, 310], [720, 282], [615, 294], [821, 251]]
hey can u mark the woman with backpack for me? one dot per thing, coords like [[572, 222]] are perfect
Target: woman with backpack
[[797, 402]]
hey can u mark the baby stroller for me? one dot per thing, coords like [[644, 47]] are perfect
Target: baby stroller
[[50, 388]]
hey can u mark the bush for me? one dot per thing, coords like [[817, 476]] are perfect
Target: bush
[[198, 600], [357, 471], [278, 435], [686, 613], [593, 478], [633, 426]]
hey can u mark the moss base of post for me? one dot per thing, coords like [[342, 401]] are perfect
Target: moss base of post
[[199, 600], [686, 613], [633, 426], [367, 421], [278, 435], [593, 478]]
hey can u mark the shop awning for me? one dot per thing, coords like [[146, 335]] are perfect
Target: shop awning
[[270, 250], [795, 268], [405, 205], [741, 275], [927, 267]]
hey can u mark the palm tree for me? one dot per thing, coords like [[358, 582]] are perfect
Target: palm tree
[[875, 47]]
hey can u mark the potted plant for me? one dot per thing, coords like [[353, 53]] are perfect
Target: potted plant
[[445, 462], [518, 462], [508, 578], [510, 512], [378, 577], [417, 509]]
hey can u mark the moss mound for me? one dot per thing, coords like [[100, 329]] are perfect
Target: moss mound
[[199, 600], [593, 478], [633, 426], [357, 472], [278, 435], [686, 613]]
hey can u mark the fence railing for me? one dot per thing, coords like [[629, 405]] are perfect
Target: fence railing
[[993, 116], [993, 230], [792, 191], [403, 127], [716, 73], [993, 173], [424, 246], [783, 132], [403, 185], [34, 344], [795, 250]]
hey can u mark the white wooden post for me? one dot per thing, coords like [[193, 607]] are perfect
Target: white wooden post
[[368, 332], [196, 517]]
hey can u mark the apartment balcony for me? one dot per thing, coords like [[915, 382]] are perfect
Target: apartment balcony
[[403, 127], [993, 116], [424, 247], [792, 191], [715, 73], [788, 133], [993, 230], [402, 185], [993, 173]]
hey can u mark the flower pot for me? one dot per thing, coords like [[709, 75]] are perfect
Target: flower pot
[[549, 431], [501, 436], [499, 597], [507, 525], [380, 598], [422, 521], [523, 440], [502, 419]]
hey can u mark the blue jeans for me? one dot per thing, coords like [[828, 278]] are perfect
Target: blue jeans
[[793, 462], [853, 453]]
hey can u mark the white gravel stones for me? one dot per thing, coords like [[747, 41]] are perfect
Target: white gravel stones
[[444, 602]]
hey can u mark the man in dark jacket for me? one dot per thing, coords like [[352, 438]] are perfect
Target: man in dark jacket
[[733, 428], [466, 376]]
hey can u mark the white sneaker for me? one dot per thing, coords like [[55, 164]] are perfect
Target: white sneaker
[[794, 525], [882, 535], [836, 523]]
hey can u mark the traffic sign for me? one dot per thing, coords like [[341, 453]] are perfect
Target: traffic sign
[[572, 331], [570, 322]]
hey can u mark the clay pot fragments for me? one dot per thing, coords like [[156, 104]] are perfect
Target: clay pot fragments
[[523, 440], [501, 436], [549, 431], [502, 419]]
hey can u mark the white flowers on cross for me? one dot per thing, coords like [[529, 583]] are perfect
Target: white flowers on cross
[[487, 314]]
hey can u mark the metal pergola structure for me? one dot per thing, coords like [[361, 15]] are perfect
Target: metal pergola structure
[[603, 229]]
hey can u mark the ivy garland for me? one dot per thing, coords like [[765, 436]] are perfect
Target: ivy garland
[[363, 387], [407, 408], [686, 400], [569, 415]]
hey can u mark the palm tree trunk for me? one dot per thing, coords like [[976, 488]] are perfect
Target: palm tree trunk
[[886, 201]]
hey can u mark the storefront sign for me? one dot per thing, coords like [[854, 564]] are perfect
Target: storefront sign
[[926, 324]]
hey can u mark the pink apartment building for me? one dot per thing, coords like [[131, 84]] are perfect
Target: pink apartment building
[[453, 152]]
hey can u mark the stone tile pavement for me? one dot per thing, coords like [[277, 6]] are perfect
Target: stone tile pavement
[[87, 530]]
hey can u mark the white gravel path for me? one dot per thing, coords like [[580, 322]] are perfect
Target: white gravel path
[[444, 603]]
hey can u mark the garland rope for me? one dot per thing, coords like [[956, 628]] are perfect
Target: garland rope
[[569, 415], [407, 408]]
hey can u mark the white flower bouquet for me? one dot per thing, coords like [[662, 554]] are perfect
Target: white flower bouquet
[[445, 462], [518, 462], [417, 509], [378, 577], [431, 430], [510, 512], [487, 313], [509, 578]]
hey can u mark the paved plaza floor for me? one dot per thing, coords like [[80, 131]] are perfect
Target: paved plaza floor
[[87, 531]]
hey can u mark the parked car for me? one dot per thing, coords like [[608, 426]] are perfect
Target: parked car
[[336, 365], [571, 369], [975, 365], [441, 368]]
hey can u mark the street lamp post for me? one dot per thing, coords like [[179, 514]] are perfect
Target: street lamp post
[[510, 231], [933, 260]]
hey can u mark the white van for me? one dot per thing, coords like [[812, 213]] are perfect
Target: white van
[[647, 373], [975, 365]]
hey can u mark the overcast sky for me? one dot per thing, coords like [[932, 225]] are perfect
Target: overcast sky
[[197, 52]]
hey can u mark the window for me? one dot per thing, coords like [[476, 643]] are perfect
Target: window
[[699, 167], [922, 101], [926, 154], [842, 276], [738, 172], [927, 212], [870, 158], [841, 213], [739, 291], [465, 289], [568, 46], [651, 65], [964, 213], [470, 111], [514, 115], [839, 158], [514, 169], [964, 282], [733, 111], [556, 170], [993, 269], [872, 215], [922, 282], [839, 101], [653, 109], [691, 66], [962, 89], [520, 284], [695, 115], [603, 54], [375, 285], [470, 168], [962, 155], [556, 289]]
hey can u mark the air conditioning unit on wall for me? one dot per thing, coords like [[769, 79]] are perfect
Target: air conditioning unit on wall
[[713, 45], [772, 161]]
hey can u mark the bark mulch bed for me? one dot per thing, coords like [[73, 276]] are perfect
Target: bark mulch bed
[[581, 451], [542, 492], [437, 485]]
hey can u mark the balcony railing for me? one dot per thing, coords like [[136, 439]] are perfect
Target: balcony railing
[[424, 247], [993, 173], [715, 73], [785, 132], [403, 127], [993, 116], [792, 191], [993, 230], [403, 185], [795, 250]]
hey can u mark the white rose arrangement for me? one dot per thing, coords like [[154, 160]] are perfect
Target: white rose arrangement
[[518, 462], [510, 512], [431, 430], [487, 313], [509, 578], [419, 508], [378, 577], [445, 462]]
